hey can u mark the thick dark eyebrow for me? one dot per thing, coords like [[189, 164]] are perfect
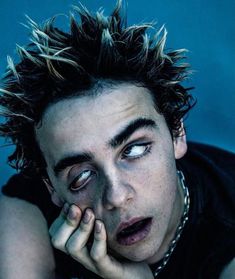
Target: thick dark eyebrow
[[121, 137], [132, 127], [70, 160]]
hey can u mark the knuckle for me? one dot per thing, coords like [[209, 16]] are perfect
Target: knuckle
[[85, 227], [72, 248], [56, 243], [100, 237], [71, 223], [95, 256]]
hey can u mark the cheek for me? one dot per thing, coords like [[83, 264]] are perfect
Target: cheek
[[83, 199], [88, 197], [157, 181], [158, 169]]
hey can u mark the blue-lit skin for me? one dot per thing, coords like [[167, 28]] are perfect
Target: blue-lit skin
[[136, 178]]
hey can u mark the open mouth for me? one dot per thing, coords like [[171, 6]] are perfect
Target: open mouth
[[135, 232]]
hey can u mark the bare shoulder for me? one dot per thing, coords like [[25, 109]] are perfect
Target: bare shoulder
[[24, 241], [229, 271]]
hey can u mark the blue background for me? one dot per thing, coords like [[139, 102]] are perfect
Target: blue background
[[205, 27]]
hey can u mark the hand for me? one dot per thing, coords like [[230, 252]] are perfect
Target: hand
[[70, 233]]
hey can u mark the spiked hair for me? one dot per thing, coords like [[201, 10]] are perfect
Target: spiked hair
[[57, 65]]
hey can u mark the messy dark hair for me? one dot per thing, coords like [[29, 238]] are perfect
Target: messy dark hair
[[58, 65]]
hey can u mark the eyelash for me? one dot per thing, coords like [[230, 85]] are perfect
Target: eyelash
[[73, 183], [148, 147]]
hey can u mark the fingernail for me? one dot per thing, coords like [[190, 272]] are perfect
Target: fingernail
[[98, 226], [87, 217], [66, 208], [72, 214]]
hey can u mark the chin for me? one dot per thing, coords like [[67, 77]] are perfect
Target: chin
[[137, 258], [135, 254], [140, 257]]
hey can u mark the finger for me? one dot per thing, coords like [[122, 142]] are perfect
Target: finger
[[78, 241], [106, 266], [76, 246], [99, 247], [59, 220], [65, 230]]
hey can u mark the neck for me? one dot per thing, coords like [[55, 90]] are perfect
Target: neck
[[178, 209]]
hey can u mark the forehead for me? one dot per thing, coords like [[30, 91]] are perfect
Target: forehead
[[112, 100], [84, 122], [112, 103]]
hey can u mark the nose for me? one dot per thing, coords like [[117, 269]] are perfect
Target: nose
[[118, 192]]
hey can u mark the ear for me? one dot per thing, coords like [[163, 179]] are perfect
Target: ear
[[180, 143], [54, 196]]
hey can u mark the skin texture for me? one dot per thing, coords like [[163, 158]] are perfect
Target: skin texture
[[116, 183], [24, 242]]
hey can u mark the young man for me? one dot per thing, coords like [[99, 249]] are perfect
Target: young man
[[97, 118]]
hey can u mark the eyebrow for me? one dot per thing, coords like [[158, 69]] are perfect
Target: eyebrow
[[132, 127], [71, 160], [119, 139]]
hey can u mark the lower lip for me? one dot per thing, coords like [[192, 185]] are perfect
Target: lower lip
[[136, 236]]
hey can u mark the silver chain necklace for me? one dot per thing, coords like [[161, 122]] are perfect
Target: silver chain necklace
[[179, 229]]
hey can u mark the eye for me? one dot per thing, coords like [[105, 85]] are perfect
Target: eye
[[135, 151], [81, 180]]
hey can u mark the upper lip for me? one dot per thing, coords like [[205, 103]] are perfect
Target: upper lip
[[129, 223]]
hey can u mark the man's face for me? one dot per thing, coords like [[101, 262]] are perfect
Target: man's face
[[114, 153]]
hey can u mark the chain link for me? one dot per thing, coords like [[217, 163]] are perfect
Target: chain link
[[179, 229]]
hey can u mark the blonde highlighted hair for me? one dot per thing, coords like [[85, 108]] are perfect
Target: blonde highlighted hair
[[57, 65]]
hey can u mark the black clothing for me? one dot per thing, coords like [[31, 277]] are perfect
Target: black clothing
[[207, 243]]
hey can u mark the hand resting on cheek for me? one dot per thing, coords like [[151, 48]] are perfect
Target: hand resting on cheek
[[71, 233]]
